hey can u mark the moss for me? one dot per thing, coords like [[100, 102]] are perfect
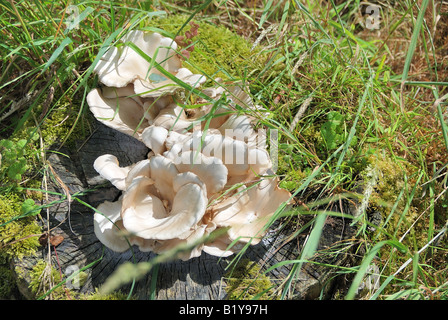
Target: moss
[[218, 52], [60, 126], [46, 280], [245, 282], [15, 232], [82, 277], [294, 178], [395, 178], [391, 178], [7, 282], [41, 276], [118, 295], [34, 190], [391, 181]]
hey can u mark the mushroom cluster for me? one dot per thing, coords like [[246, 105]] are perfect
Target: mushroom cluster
[[199, 176]]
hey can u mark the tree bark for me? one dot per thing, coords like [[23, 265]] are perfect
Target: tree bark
[[195, 279]]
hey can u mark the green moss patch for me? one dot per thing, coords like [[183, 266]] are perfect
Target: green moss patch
[[18, 226], [43, 278], [246, 281], [218, 52]]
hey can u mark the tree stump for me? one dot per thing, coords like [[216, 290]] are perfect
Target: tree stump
[[196, 279]]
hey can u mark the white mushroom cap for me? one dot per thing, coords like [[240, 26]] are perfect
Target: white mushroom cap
[[141, 168], [108, 167], [219, 116], [152, 106], [223, 117], [172, 118], [108, 226], [121, 113], [221, 246], [193, 236], [175, 141], [144, 213], [210, 170], [141, 206], [123, 92], [236, 155], [154, 138], [218, 249], [239, 127], [163, 172], [240, 97], [121, 66], [109, 229], [248, 211]]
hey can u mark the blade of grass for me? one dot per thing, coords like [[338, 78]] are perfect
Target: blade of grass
[[413, 44], [308, 251], [344, 31], [366, 263], [404, 265], [56, 53], [265, 13]]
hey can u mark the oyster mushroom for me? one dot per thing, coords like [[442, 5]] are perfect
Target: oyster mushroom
[[144, 214], [108, 225], [236, 98], [154, 138], [122, 65], [121, 113], [150, 87], [108, 167], [173, 118], [242, 161], [182, 191], [159, 202], [166, 203], [210, 170], [109, 229], [132, 115], [248, 211]]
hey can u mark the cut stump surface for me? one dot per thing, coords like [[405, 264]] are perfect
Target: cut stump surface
[[195, 279]]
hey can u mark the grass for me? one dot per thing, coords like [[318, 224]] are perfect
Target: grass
[[355, 107]]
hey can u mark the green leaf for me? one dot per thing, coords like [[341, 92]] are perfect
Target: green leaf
[[8, 144], [332, 130], [57, 53], [266, 12], [21, 143], [30, 208]]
